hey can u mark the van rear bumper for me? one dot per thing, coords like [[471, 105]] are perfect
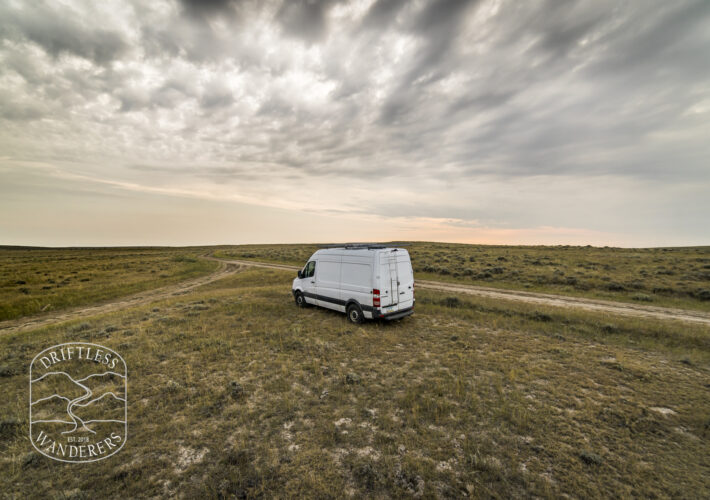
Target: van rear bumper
[[393, 315]]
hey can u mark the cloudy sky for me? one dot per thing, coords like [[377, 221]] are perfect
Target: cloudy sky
[[202, 122]]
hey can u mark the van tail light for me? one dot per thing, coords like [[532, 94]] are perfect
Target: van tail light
[[412, 289], [375, 297]]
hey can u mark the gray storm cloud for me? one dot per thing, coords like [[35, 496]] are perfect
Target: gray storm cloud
[[591, 116]]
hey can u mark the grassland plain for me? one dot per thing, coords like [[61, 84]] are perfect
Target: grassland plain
[[671, 277], [233, 391], [36, 280]]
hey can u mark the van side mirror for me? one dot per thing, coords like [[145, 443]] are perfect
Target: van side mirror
[[300, 274]]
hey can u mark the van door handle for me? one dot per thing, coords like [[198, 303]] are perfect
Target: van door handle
[[401, 293], [312, 281]]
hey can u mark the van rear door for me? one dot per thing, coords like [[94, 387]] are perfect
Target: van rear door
[[405, 278], [396, 280], [389, 281]]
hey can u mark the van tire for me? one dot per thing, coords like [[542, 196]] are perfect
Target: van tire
[[300, 300], [355, 314]]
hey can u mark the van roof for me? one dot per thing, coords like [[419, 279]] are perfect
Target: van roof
[[357, 250], [354, 246]]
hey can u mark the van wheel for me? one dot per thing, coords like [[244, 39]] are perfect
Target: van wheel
[[300, 300], [355, 314]]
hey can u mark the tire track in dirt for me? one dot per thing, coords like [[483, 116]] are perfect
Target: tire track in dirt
[[33, 322], [563, 301]]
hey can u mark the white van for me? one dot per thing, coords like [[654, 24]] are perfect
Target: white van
[[364, 281]]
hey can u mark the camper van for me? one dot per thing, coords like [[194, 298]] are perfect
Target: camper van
[[363, 281]]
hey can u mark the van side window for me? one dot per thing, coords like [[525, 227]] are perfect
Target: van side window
[[310, 269]]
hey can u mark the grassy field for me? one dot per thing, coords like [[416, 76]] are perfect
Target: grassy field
[[233, 391], [35, 280], [672, 277]]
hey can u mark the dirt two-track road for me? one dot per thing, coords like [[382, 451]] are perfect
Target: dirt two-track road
[[32, 322], [601, 306], [228, 266]]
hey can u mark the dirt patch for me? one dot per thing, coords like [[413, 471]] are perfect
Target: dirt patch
[[663, 411], [188, 456]]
